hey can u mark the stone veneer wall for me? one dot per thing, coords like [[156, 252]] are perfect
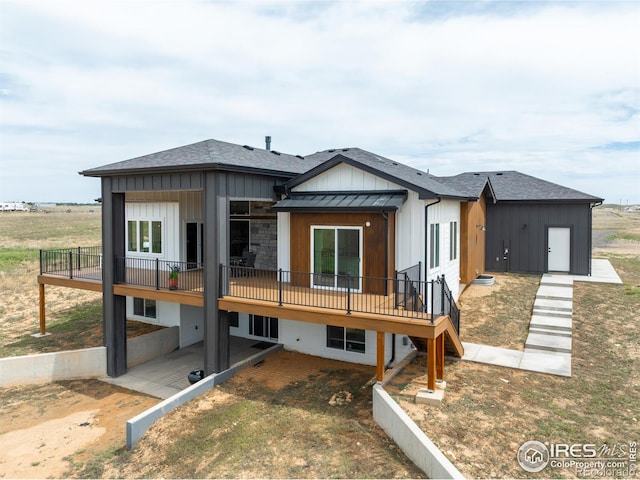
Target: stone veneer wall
[[264, 241]]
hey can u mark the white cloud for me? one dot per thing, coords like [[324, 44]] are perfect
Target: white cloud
[[450, 86]]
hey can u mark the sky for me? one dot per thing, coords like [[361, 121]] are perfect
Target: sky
[[551, 89]]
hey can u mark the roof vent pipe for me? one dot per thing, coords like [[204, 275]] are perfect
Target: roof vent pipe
[[267, 141]]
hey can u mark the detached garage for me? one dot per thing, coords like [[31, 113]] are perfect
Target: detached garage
[[533, 226]]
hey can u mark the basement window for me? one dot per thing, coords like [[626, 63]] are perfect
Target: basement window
[[143, 307], [348, 339]]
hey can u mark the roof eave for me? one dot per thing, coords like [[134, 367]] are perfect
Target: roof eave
[[186, 169]]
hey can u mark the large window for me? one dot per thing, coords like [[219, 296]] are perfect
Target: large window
[[336, 256], [143, 307], [453, 240], [349, 339], [144, 236], [434, 242], [263, 326]]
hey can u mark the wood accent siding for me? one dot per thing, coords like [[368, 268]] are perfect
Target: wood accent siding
[[472, 239], [373, 244]]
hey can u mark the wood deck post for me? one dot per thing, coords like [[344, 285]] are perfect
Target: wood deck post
[[380, 357], [440, 357], [43, 328], [431, 364]]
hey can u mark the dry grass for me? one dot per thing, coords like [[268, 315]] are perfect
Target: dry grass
[[255, 427]]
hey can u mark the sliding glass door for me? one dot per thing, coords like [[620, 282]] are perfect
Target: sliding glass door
[[336, 257]]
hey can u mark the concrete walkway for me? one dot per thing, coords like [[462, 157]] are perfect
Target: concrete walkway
[[548, 346]]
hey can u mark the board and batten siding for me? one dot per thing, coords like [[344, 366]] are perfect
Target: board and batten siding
[[410, 233], [344, 178], [168, 214], [443, 213]]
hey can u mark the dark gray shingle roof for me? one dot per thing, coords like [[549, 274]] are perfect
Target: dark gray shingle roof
[[515, 186], [215, 154], [208, 154], [428, 186]]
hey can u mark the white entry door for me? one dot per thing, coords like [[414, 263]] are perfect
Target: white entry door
[[559, 251]]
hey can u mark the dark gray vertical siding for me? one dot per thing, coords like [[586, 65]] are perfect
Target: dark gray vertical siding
[[157, 182], [244, 185], [114, 306], [528, 246], [216, 327]]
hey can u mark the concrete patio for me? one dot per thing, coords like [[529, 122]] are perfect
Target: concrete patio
[[165, 376]]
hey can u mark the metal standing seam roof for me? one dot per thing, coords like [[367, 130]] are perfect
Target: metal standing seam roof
[[351, 201]]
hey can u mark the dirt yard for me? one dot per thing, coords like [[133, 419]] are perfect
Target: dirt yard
[[47, 428]]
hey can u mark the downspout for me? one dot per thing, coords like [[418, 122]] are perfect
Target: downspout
[[386, 284], [590, 239], [426, 237], [386, 250], [393, 350]]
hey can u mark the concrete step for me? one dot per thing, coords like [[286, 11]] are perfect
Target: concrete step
[[558, 280], [551, 313], [560, 323], [551, 343], [548, 331], [560, 305], [555, 293]]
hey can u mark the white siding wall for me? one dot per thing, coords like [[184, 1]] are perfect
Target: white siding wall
[[311, 338], [168, 214], [167, 313], [284, 240], [410, 232], [191, 325], [443, 213], [344, 177]]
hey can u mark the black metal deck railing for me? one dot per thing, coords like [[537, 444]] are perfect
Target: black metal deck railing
[[408, 288], [79, 262], [443, 301], [159, 274], [347, 293], [404, 296]]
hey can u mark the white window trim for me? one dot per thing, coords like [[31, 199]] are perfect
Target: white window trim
[[335, 228], [432, 249], [136, 253], [144, 318]]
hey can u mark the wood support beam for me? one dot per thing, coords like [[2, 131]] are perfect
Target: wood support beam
[[43, 328], [380, 356], [431, 364], [440, 357]]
